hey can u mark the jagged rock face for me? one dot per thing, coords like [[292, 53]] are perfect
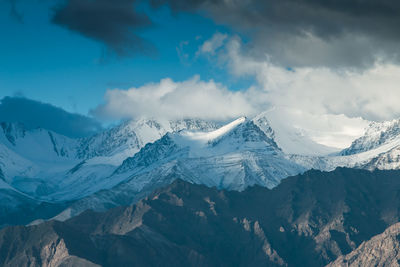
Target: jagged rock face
[[193, 125], [43, 247], [108, 142], [150, 154], [263, 123], [246, 133], [381, 250], [308, 220]]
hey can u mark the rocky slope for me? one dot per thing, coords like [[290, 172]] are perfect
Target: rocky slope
[[381, 250], [307, 220]]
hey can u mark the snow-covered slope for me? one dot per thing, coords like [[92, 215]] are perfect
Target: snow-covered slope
[[33, 153], [37, 145], [378, 148], [376, 135], [125, 140]]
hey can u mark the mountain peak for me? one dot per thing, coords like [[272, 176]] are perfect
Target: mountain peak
[[240, 134], [209, 136], [376, 134], [248, 135]]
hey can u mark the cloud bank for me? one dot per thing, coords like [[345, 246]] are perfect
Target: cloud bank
[[372, 94], [175, 100], [35, 114]]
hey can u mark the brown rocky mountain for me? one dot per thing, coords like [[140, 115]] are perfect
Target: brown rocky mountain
[[381, 250], [308, 220]]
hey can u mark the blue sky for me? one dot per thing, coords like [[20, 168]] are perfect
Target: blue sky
[[46, 62], [315, 58]]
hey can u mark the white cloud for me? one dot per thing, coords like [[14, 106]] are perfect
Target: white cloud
[[173, 100], [212, 45], [337, 131], [372, 94]]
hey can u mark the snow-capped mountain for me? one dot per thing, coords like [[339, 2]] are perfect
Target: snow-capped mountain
[[232, 157], [240, 140], [45, 164], [379, 148], [125, 163], [376, 135], [40, 168]]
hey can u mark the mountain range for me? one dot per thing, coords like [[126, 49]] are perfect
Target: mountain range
[[45, 175]]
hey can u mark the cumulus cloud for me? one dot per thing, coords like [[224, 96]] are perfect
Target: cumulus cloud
[[174, 100], [342, 33], [113, 22], [35, 114], [372, 94]]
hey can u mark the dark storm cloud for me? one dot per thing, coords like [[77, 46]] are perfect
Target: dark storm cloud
[[310, 32], [35, 114], [322, 17], [113, 22]]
